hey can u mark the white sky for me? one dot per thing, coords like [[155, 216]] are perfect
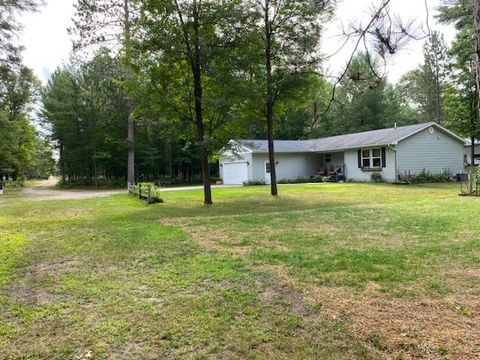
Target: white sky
[[48, 45], [45, 37]]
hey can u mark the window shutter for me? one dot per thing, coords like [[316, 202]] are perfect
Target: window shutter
[[384, 158], [359, 158]]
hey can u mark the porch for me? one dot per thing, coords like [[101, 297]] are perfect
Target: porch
[[332, 165]]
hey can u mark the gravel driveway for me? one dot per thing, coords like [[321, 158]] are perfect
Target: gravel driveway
[[44, 191]]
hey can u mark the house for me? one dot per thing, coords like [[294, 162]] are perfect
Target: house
[[468, 152], [390, 152]]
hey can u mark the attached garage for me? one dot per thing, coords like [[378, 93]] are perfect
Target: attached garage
[[235, 173]]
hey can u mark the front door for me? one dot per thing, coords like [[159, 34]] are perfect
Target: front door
[[267, 172]]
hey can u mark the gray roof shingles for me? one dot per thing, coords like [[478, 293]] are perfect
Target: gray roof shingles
[[339, 142]]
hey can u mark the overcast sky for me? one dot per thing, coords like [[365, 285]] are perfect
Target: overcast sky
[[48, 45]]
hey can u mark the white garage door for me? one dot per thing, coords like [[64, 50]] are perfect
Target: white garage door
[[235, 173]]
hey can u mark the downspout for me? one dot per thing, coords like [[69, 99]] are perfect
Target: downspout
[[396, 162]]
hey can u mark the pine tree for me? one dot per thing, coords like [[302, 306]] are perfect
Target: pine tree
[[110, 23], [424, 87]]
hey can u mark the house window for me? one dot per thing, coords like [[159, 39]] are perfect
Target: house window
[[328, 158], [267, 167], [376, 157], [366, 158], [371, 158]]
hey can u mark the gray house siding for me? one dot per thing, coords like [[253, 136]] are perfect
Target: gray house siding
[[433, 152], [290, 166], [412, 149], [352, 171]]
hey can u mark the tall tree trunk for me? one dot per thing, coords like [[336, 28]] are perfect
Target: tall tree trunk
[[193, 55], [472, 152], [476, 17], [269, 102], [130, 124], [95, 173], [439, 95], [131, 150], [62, 161], [198, 92]]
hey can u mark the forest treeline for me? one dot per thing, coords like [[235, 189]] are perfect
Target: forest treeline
[[189, 77], [23, 152]]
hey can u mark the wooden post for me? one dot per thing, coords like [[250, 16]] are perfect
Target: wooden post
[[139, 191], [149, 194]]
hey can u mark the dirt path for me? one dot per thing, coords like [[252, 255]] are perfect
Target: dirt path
[[44, 191], [198, 187]]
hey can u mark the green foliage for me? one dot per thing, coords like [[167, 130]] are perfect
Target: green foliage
[[299, 180], [461, 96], [148, 191], [105, 183], [20, 182], [319, 178], [366, 102], [42, 165], [185, 74], [376, 177], [426, 176], [254, 182], [302, 114], [87, 111], [425, 86], [281, 51], [23, 153], [10, 26], [305, 180]]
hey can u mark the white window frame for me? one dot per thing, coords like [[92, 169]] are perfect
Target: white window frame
[[328, 158], [363, 158], [371, 158]]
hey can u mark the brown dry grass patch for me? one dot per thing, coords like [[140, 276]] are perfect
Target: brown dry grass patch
[[399, 328], [388, 327], [30, 295]]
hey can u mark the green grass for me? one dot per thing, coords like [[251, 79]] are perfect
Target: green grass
[[252, 276]]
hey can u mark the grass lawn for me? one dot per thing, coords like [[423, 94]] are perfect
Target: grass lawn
[[326, 271]]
